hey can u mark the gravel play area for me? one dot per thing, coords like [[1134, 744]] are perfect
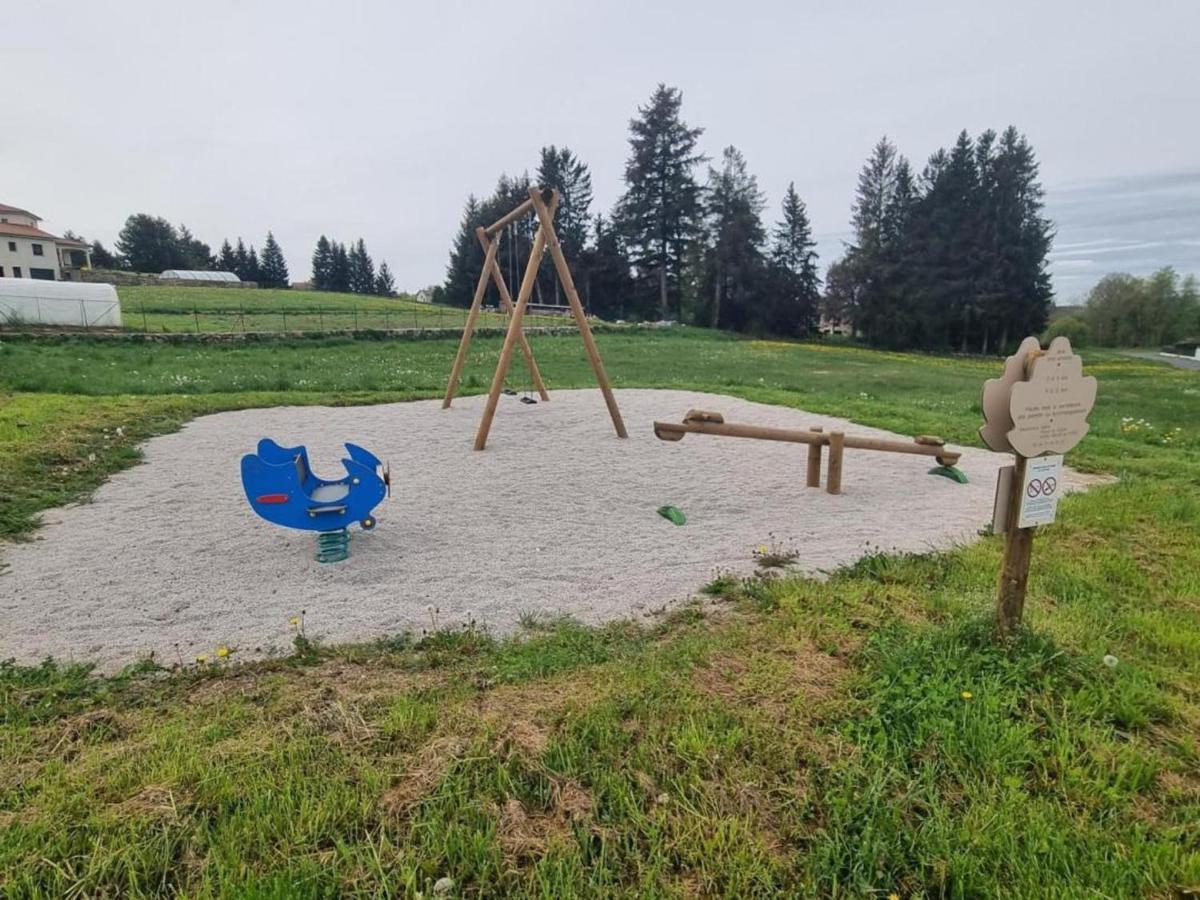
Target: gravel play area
[[558, 515]]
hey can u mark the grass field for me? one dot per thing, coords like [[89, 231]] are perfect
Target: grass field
[[214, 309], [855, 737]]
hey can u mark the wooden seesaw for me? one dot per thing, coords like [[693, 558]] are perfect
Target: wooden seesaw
[[699, 421]]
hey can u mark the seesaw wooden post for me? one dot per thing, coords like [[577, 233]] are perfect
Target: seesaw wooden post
[[814, 461], [833, 478]]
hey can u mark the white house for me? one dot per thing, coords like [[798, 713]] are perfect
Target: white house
[[28, 252]]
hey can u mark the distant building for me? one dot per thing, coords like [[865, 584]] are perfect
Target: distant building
[[28, 252]]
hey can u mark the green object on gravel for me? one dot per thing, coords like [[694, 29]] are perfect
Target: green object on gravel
[[673, 513], [951, 472]]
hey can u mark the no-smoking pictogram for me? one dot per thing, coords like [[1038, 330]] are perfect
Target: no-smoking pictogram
[[1041, 487]]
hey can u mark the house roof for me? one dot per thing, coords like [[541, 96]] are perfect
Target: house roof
[[28, 231], [5, 208]]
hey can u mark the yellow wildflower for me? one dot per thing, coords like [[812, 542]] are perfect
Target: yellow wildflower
[[294, 621], [223, 652], [967, 695], [201, 659]]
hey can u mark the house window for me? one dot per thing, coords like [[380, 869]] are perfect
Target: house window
[[12, 246], [16, 271], [37, 250], [42, 274], [1, 271]]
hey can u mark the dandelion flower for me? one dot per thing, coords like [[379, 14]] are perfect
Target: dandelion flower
[[1110, 660], [201, 659], [967, 695], [223, 652], [893, 896], [762, 548], [294, 621]]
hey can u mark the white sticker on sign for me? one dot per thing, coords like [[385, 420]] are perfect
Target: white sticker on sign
[[1040, 492]]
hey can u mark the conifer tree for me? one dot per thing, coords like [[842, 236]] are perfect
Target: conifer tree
[[226, 260], [273, 270], [466, 257], [385, 284], [253, 269], [608, 288], [659, 214], [339, 270], [733, 265], [561, 170], [362, 269], [102, 258], [322, 265], [791, 305], [241, 261]]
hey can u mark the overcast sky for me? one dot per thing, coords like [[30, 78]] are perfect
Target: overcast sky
[[377, 119]]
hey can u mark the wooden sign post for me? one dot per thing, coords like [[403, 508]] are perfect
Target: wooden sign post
[[1038, 407]]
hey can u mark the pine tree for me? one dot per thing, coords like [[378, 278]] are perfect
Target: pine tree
[[607, 287], [241, 261], [226, 260], [561, 170], [362, 269], [733, 265], [793, 301], [385, 284], [466, 257], [339, 270], [253, 269], [659, 215], [149, 244], [102, 259], [1023, 237], [273, 270], [864, 258], [322, 265]]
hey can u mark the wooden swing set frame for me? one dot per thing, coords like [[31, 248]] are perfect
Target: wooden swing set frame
[[543, 203]]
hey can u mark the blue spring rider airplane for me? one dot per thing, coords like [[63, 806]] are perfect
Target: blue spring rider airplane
[[281, 487]]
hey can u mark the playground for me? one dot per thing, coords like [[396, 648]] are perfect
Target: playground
[[557, 517]]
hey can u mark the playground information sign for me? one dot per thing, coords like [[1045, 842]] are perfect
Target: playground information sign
[[1040, 491], [997, 397], [1049, 411]]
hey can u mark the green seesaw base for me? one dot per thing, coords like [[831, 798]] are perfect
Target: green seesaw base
[[954, 474]]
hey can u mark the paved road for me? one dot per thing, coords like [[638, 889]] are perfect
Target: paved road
[[1180, 362]]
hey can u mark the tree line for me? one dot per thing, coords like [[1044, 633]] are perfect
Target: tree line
[[671, 248], [334, 268], [148, 243], [1123, 310], [952, 257]]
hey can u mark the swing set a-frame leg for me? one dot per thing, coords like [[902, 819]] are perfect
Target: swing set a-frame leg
[[510, 339], [546, 225]]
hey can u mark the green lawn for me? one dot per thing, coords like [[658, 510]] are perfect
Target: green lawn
[[214, 309], [859, 736]]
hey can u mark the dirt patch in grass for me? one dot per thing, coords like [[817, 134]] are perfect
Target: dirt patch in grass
[[525, 834], [809, 674], [524, 717], [421, 776], [93, 727], [151, 802]]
